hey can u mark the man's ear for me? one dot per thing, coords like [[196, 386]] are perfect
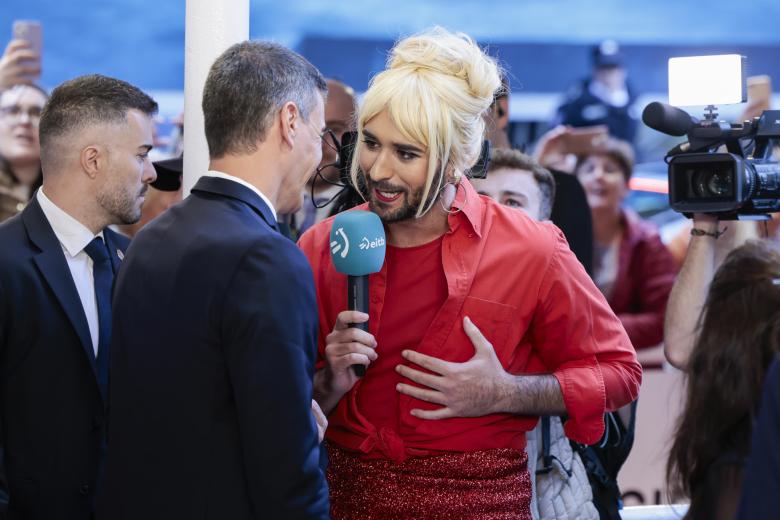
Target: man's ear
[[289, 123], [93, 159]]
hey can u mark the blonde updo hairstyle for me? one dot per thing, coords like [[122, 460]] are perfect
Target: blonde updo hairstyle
[[435, 88]]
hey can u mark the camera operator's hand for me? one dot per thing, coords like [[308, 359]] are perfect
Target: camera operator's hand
[[705, 222], [705, 253], [19, 65]]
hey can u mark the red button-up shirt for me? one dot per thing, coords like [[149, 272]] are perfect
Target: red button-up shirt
[[522, 286]]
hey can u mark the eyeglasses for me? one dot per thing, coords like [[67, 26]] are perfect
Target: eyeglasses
[[14, 113], [327, 136]]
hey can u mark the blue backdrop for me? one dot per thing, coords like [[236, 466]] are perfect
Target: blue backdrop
[[142, 41]]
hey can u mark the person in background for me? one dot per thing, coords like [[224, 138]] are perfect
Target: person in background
[[605, 98], [58, 260], [20, 64], [632, 267], [738, 337], [497, 118], [20, 148], [517, 181], [570, 210], [340, 108]]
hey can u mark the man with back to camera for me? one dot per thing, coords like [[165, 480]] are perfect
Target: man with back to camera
[[58, 259], [210, 399]]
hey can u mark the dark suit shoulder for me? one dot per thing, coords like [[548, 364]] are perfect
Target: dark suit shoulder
[[14, 242], [276, 254], [13, 228]]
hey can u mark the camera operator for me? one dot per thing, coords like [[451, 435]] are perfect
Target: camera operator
[[713, 185], [739, 337]]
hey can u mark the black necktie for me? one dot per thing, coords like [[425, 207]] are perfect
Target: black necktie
[[104, 279]]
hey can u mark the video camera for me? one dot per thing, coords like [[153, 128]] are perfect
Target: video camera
[[742, 183]]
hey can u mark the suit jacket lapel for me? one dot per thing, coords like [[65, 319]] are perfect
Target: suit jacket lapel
[[54, 268]]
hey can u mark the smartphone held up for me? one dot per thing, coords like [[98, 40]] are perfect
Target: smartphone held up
[[27, 46]]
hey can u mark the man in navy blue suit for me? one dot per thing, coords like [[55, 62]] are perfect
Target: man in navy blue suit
[[215, 318], [58, 259]]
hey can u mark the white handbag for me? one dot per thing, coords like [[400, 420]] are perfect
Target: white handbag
[[561, 489]]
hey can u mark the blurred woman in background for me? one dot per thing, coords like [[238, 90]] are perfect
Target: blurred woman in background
[[20, 149], [632, 267]]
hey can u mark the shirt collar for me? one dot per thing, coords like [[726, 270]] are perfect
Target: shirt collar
[[469, 204], [72, 234], [222, 175]]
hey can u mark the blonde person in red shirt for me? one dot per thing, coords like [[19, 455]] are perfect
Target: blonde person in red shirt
[[518, 327]]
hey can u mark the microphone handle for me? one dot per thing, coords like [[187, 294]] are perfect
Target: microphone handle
[[357, 300]]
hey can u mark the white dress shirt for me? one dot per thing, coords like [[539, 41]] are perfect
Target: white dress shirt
[[74, 237], [222, 175]]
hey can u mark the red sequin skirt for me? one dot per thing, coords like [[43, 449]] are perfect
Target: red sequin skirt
[[480, 485]]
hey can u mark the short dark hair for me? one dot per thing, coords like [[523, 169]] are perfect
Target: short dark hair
[[516, 160], [88, 100], [246, 86]]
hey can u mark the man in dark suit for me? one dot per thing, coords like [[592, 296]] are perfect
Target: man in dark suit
[[57, 264], [215, 317]]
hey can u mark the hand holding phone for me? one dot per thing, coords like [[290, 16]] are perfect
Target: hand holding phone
[[585, 140], [31, 32], [21, 61], [759, 90], [759, 97]]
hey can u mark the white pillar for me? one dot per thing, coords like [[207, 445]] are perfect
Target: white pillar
[[211, 27]]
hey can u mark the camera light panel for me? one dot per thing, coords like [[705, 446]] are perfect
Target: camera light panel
[[706, 80]]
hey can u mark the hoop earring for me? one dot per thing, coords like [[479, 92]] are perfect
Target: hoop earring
[[449, 210]]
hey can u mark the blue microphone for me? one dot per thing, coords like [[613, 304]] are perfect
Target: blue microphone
[[357, 248]]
